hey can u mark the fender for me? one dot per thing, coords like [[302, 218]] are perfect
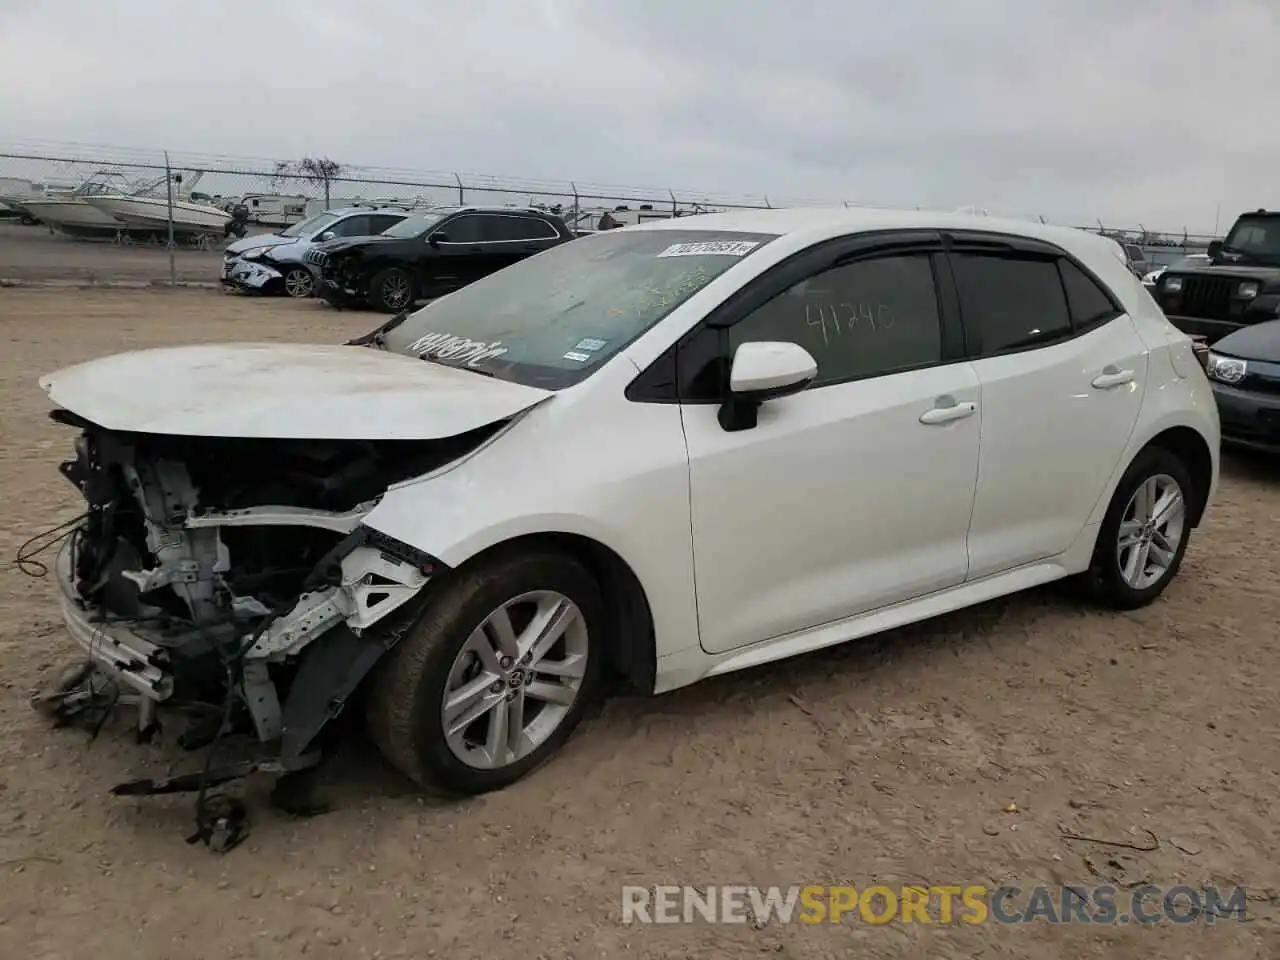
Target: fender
[[546, 474]]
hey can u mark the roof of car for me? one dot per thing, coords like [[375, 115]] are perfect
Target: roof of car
[[821, 222]]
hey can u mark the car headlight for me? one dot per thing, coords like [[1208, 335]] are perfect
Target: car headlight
[[1247, 290], [1172, 285], [1225, 369], [256, 254]]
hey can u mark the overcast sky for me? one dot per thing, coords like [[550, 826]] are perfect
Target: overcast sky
[[1151, 110]]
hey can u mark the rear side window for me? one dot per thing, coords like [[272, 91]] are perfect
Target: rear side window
[[1010, 303], [1090, 305]]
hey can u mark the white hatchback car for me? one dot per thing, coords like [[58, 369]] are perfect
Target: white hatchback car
[[668, 451]]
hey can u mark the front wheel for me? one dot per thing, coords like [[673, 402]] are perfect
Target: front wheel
[[391, 290], [494, 677], [1145, 532], [299, 283]]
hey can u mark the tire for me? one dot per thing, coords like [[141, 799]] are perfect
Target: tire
[[298, 283], [1105, 581], [385, 290], [407, 699]]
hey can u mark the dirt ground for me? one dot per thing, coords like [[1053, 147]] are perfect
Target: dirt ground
[[889, 761]]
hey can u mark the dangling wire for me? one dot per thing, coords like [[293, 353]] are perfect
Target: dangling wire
[[25, 556]]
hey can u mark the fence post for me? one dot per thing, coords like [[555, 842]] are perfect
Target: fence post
[[168, 185], [461, 201], [671, 193]]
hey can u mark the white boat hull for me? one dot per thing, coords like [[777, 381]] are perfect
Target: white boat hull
[[71, 212], [154, 213]]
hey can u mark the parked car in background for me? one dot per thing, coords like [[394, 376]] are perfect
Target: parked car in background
[[275, 262], [1151, 277], [1138, 262], [1244, 370], [431, 254], [1238, 287], [671, 451]]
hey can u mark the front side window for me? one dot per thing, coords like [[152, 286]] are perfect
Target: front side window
[[861, 319], [1010, 302], [468, 228], [357, 226], [551, 319]]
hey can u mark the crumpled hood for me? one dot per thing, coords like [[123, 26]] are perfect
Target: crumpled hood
[[339, 244], [285, 391], [258, 242]]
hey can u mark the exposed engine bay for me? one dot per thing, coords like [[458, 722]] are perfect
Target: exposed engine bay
[[234, 576]]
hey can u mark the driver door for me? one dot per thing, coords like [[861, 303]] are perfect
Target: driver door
[[841, 499]]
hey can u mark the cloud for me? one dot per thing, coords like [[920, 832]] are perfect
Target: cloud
[[1077, 109]]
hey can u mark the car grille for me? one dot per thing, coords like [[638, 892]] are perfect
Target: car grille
[[1208, 297], [315, 257]]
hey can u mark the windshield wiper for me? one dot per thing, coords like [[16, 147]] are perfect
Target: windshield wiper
[[378, 335], [454, 366]]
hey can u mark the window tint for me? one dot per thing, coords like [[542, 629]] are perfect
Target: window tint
[[1089, 303], [1010, 303], [465, 229], [380, 221], [357, 226], [861, 319], [516, 228]]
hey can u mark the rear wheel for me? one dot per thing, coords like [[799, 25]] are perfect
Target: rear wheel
[[299, 282], [392, 290], [495, 676], [1145, 532]]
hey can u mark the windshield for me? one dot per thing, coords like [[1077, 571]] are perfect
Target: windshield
[[414, 226], [309, 226], [550, 320], [1258, 238]]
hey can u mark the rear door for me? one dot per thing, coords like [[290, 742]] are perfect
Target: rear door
[[1061, 370]]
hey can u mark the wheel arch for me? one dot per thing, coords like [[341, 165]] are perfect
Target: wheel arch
[[631, 647], [1189, 446]]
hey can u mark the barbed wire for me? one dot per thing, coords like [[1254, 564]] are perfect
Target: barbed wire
[[225, 175]]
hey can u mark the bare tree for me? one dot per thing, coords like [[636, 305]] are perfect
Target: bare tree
[[320, 171]]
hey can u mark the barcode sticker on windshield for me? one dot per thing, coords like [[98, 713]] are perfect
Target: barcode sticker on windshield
[[703, 248]]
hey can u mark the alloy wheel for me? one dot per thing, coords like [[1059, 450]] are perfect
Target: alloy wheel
[[1151, 530], [515, 679], [299, 283], [395, 291]]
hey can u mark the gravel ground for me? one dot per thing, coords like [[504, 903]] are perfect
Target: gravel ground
[[888, 761]]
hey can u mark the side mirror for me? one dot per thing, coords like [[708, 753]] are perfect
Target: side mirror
[[1215, 248], [437, 238], [764, 370], [327, 235]]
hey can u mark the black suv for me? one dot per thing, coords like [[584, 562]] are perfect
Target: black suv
[[431, 254], [1238, 287]]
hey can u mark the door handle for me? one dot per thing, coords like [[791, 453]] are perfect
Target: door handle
[[957, 411], [1111, 377]]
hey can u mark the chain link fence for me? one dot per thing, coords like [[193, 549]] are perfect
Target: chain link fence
[[178, 223]]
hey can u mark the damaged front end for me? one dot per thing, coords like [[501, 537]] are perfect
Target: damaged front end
[[233, 578]]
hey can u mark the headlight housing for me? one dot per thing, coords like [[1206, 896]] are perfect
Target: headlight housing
[[257, 253], [1247, 290], [1225, 369], [1172, 285]]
